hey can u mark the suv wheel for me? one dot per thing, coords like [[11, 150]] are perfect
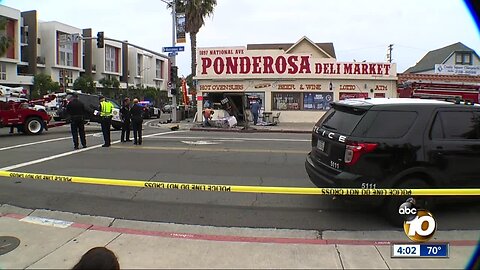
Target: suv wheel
[[390, 208]]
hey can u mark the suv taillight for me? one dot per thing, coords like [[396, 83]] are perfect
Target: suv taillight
[[354, 150]]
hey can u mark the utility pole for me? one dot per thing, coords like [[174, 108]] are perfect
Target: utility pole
[[174, 41], [389, 54]]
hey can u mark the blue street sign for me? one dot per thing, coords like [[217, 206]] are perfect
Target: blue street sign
[[174, 49], [170, 54]]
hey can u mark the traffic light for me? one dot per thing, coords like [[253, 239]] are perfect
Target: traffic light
[[100, 40], [173, 91], [173, 73]]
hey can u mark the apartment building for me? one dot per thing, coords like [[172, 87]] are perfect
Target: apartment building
[[147, 69], [61, 50], [66, 52], [14, 64], [107, 61]]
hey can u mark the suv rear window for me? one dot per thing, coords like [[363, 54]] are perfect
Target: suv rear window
[[386, 124], [456, 125], [342, 119]]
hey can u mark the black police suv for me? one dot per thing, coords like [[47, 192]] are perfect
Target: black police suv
[[396, 143], [92, 104]]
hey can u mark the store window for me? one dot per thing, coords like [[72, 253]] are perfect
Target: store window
[[286, 101], [317, 101], [3, 71], [258, 96]]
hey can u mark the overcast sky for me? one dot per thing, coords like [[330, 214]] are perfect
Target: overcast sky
[[359, 30]]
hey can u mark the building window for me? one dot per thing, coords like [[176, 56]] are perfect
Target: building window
[[139, 64], [463, 58], [110, 59], [158, 69], [3, 71], [65, 54], [317, 101], [286, 101], [65, 77]]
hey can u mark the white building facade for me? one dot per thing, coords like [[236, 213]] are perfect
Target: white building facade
[[9, 63], [62, 49], [299, 81], [147, 69]]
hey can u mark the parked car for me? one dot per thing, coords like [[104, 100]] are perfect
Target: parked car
[[92, 104], [23, 117], [396, 143], [149, 110]]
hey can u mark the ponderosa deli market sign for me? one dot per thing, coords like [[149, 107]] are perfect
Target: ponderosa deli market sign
[[241, 62]]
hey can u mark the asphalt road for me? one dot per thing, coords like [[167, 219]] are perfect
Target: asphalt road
[[263, 159]]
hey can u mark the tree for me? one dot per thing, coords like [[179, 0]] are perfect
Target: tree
[[84, 83], [43, 84], [106, 82], [5, 40], [195, 13]]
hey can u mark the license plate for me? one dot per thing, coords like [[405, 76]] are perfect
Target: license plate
[[321, 145]]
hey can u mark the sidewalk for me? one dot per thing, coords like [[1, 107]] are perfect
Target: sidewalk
[[50, 239]]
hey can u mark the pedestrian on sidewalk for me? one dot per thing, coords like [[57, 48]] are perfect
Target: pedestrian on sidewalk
[[255, 109], [106, 109], [98, 258], [76, 110], [125, 116], [137, 120]]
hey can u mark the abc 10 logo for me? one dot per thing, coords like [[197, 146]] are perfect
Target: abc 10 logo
[[419, 224]]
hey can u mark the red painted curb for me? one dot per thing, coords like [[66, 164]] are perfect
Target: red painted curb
[[245, 239]]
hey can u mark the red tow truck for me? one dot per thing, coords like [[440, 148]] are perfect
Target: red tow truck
[[21, 116]]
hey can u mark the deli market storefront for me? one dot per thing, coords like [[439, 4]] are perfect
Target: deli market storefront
[[296, 83]]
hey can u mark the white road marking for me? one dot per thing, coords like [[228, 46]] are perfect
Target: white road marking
[[231, 139], [149, 121], [16, 166], [44, 141], [199, 142]]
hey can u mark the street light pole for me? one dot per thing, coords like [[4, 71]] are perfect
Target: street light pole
[[174, 41]]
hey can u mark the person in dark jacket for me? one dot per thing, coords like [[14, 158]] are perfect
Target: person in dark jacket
[[125, 115], [98, 258], [76, 110], [136, 115]]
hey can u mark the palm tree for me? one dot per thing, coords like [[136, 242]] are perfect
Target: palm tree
[[5, 41], [195, 13]]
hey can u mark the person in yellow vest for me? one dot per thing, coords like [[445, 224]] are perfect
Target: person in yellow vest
[[106, 109]]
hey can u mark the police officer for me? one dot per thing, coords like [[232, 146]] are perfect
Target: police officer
[[106, 109], [125, 115], [137, 120], [76, 110]]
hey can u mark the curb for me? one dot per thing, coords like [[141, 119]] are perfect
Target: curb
[[250, 130], [237, 239]]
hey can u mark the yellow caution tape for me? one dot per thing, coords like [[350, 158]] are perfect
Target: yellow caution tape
[[246, 189]]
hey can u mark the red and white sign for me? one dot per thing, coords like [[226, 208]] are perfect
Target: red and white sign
[[348, 95], [232, 62]]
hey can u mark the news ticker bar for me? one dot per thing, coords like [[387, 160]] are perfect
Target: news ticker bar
[[243, 189], [421, 250]]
